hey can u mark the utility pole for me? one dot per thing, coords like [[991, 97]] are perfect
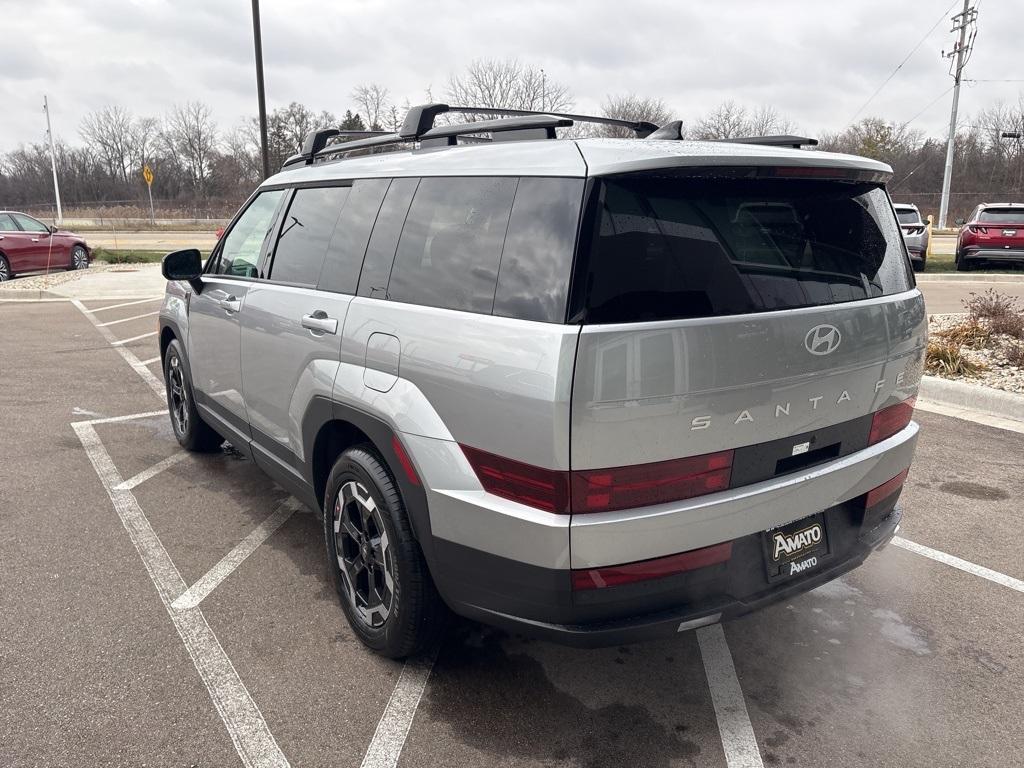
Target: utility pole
[[53, 160], [966, 18], [258, 41]]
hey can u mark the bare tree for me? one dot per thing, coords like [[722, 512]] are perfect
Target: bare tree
[[110, 133], [509, 84], [629, 106], [765, 121], [190, 137], [373, 99], [726, 121]]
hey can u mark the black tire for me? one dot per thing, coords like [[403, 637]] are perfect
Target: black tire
[[5, 269], [192, 432], [79, 258], [962, 264], [365, 518]]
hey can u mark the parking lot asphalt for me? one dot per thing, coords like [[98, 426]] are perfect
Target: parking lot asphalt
[[160, 608]]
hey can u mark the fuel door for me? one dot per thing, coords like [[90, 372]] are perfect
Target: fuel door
[[382, 355]]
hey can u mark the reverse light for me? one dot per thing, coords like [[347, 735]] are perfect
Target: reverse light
[[888, 421], [641, 485], [886, 489], [648, 570]]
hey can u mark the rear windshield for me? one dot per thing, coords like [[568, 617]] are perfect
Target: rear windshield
[[668, 248], [1001, 216], [908, 216]]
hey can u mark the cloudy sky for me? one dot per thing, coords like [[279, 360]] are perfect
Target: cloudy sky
[[816, 62]]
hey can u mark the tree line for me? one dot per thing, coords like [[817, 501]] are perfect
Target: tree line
[[202, 169]]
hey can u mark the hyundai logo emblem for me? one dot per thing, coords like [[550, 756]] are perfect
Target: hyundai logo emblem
[[822, 339]]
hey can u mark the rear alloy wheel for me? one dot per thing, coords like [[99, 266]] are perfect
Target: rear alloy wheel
[[382, 580], [5, 270], [79, 258]]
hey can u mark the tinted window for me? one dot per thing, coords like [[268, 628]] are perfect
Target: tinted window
[[29, 224], [240, 252], [451, 245], [537, 258], [675, 247], [345, 253], [306, 229], [908, 216], [1001, 216], [380, 253], [7, 223]]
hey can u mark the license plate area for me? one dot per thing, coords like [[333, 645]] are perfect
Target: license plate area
[[796, 548]]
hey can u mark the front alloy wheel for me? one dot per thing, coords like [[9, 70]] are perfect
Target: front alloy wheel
[[5, 270], [364, 555], [79, 258]]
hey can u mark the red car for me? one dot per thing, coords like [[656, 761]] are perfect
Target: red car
[[28, 245], [994, 232]]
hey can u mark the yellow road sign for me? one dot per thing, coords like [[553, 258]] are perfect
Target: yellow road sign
[[147, 174]]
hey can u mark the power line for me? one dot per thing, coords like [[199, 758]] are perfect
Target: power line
[[905, 60], [928, 106]]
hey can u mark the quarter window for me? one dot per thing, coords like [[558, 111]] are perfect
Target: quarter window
[[240, 253], [344, 258], [450, 247], [306, 230]]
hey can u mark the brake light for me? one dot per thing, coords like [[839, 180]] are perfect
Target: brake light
[[647, 570], [640, 485], [888, 421], [546, 489], [914, 230], [975, 229], [886, 489]]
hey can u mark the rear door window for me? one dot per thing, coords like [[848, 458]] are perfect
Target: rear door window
[[676, 247], [306, 229], [380, 252], [345, 252], [536, 262], [7, 223], [451, 244]]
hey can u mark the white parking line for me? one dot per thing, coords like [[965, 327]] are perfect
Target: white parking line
[[129, 356], [120, 342], [963, 565], [195, 594], [129, 319], [738, 741], [151, 360], [114, 419], [248, 730], [126, 304], [153, 471], [393, 729]]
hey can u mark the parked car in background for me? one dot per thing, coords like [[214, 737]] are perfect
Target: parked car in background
[[28, 245], [915, 233], [993, 232]]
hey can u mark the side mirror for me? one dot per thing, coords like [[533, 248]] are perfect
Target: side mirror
[[53, 229], [183, 265], [959, 222]]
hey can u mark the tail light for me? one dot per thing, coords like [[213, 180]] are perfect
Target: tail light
[[976, 230], [604, 490], [601, 490], [886, 489], [888, 421], [913, 230], [647, 570]]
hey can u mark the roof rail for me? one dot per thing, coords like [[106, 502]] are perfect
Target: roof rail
[[317, 140], [641, 128], [673, 131]]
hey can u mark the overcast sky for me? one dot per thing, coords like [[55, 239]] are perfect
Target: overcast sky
[[816, 62]]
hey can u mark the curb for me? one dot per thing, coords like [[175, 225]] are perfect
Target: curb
[[957, 394], [27, 294], [956, 277]]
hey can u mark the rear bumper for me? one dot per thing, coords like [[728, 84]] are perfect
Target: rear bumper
[[993, 254], [693, 600]]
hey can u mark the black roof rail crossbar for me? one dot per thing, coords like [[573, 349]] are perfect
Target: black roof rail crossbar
[[317, 140], [774, 141], [544, 122], [640, 127]]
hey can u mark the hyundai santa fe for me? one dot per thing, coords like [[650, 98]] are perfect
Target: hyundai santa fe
[[595, 390]]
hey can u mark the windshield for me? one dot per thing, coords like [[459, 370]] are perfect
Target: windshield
[[671, 248]]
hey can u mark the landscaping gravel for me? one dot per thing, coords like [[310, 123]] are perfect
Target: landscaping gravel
[[998, 372], [43, 282]]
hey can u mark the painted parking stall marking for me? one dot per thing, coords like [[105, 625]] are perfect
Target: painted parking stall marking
[[129, 357], [956, 562]]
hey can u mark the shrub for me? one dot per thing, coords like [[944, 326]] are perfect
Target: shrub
[[1015, 355], [1011, 323], [970, 333], [991, 305], [946, 358]]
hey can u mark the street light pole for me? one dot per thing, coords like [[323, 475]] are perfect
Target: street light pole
[[258, 41], [53, 160]]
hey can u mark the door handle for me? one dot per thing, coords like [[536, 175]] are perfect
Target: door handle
[[230, 304], [319, 322], [35, 239]]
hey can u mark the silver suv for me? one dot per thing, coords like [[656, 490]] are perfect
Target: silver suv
[[597, 390], [915, 234]]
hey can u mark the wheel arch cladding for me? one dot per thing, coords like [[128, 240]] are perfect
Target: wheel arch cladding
[[331, 428]]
